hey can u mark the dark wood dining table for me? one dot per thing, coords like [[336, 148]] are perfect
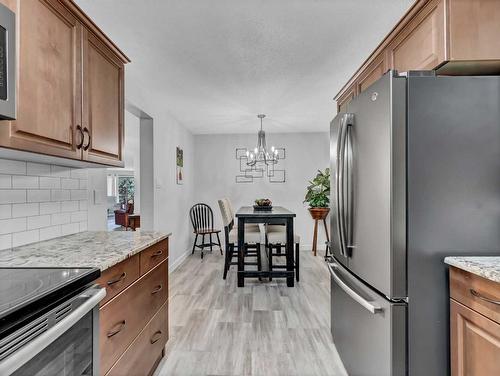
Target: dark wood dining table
[[277, 216]]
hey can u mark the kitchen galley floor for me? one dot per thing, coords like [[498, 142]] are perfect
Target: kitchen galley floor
[[264, 329]]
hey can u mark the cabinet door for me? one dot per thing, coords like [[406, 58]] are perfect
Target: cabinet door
[[372, 73], [102, 102], [421, 44], [345, 98], [475, 342], [49, 84]]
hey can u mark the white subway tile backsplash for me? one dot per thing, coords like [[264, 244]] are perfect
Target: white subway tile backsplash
[[79, 173], [8, 226], [40, 201], [50, 232], [70, 228], [68, 183], [83, 226], [50, 183], [5, 211], [38, 169], [70, 206], [38, 195], [79, 216], [61, 195], [50, 207], [38, 221], [26, 182], [25, 210], [12, 196], [5, 181], [5, 241], [83, 204], [60, 171], [60, 218], [26, 237], [12, 167], [79, 194]]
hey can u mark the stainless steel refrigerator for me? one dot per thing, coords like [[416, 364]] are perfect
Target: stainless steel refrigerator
[[415, 166]]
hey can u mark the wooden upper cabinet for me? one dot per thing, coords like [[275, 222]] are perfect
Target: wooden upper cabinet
[[103, 76], [474, 30], [70, 95], [48, 87], [421, 44], [453, 37], [372, 73]]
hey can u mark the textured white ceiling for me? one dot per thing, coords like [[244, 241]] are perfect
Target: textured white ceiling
[[216, 64]]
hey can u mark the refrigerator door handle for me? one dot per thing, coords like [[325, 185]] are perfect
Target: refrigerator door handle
[[340, 184], [353, 294], [350, 187]]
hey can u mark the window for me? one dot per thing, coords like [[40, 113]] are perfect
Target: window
[[126, 189]]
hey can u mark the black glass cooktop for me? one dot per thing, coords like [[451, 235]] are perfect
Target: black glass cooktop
[[24, 291]]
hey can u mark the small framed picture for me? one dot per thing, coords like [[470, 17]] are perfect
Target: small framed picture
[[179, 166]]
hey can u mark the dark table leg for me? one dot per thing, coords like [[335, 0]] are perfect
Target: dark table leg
[[241, 252], [289, 251]]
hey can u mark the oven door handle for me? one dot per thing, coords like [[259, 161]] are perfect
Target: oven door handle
[[27, 352]]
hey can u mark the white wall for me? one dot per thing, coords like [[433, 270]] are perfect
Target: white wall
[[171, 201], [132, 154], [216, 168], [40, 201]]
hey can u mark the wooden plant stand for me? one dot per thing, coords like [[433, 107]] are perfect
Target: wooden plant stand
[[319, 214]]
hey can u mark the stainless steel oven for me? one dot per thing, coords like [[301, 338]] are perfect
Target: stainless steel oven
[[59, 338], [7, 63]]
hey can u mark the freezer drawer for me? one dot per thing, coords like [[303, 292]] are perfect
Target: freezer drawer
[[368, 330]]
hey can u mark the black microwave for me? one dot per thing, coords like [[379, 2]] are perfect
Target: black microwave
[[7, 63]]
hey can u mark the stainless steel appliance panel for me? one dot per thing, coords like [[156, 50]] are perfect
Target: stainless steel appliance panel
[[7, 63], [376, 186], [368, 330], [453, 199]]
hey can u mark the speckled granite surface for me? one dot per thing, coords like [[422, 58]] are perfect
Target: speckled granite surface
[[484, 266], [98, 249]]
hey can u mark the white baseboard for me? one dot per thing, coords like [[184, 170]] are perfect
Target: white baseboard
[[179, 261]]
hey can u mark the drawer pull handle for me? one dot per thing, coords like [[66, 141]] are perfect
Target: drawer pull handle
[[157, 289], [479, 296], [116, 280], [157, 253], [156, 337], [115, 332]]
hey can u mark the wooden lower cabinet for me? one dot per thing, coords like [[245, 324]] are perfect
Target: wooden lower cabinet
[[138, 311], [475, 333], [144, 354]]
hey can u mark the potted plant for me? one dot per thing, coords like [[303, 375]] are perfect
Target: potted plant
[[318, 195]]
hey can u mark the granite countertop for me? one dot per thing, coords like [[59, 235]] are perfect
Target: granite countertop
[[484, 266], [99, 249]]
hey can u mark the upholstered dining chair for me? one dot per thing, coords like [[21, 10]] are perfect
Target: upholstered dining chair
[[202, 219], [275, 240], [252, 239]]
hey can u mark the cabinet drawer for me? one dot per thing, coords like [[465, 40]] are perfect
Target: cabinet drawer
[[125, 316], [146, 350], [118, 277], [480, 294], [475, 342], [153, 255]]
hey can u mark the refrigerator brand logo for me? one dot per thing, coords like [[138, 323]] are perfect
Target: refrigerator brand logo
[[374, 96]]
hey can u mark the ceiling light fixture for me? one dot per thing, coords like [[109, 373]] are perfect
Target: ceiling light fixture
[[260, 154]]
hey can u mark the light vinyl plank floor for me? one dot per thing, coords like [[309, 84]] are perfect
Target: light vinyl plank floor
[[263, 329]]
